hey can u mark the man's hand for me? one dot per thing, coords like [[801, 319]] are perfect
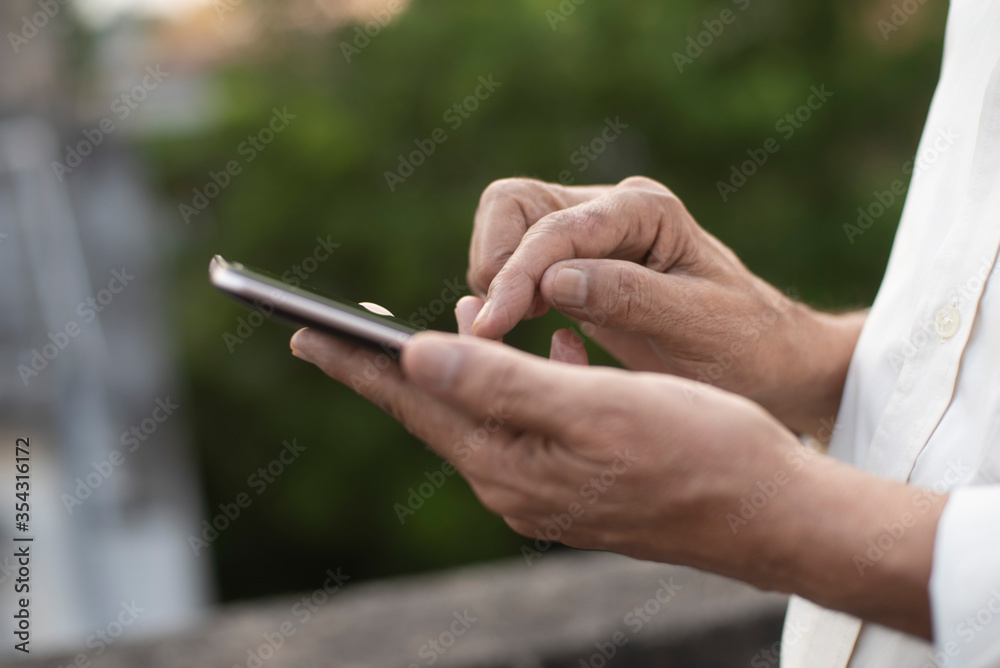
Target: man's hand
[[657, 291], [649, 465], [537, 438]]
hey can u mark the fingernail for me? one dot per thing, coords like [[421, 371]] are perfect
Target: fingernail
[[436, 364], [570, 288], [483, 315], [299, 345]]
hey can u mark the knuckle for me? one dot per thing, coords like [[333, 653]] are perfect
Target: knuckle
[[672, 242], [583, 221], [518, 282], [672, 207], [671, 203], [630, 300], [514, 187], [507, 203], [575, 223], [642, 183], [634, 202]]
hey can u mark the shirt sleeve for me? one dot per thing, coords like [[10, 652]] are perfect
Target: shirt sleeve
[[965, 580]]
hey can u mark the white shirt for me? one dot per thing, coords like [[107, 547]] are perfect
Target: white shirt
[[922, 398]]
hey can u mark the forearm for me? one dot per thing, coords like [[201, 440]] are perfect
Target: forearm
[[849, 541]]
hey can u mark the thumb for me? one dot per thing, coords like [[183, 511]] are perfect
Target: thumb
[[616, 294], [488, 379]]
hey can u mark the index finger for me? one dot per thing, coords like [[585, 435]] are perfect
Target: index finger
[[627, 223], [506, 210]]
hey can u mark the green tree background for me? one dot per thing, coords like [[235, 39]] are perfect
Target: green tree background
[[324, 176]]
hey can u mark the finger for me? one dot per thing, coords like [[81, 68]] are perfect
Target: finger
[[377, 378], [482, 449], [568, 348], [630, 223], [507, 208], [486, 378], [466, 311], [614, 294], [370, 373], [538, 307]]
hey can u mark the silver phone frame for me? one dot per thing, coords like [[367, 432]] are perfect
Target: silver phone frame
[[306, 308]]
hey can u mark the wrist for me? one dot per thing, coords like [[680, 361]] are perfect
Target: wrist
[[814, 355], [856, 543]]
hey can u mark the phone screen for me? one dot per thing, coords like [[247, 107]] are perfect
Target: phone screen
[[344, 304], [304, 305]]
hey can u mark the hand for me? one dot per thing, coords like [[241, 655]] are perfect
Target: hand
[[637, 463], [657, 291], [601, 454]]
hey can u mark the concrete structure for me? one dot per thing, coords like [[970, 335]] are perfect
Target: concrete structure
[[566, 610]]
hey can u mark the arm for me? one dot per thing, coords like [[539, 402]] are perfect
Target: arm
[[852, 542], [655, 467]]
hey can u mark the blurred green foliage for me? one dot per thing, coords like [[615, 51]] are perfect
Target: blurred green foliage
[[324, 176]]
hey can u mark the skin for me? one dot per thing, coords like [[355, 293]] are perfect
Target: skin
[[675, 462]]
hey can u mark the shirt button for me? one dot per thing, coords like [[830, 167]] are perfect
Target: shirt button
[[946, 321]]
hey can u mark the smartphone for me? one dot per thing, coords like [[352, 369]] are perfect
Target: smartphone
[[307, 307]]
